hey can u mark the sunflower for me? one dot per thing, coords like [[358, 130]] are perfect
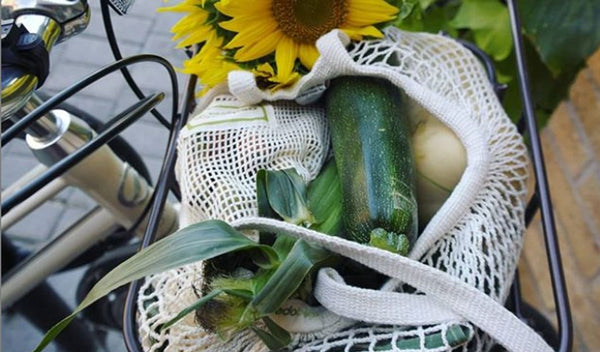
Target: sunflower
[[209, 64], [196, 27], [290, 28]]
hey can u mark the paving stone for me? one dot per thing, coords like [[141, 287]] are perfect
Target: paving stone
[[586, 319], [164, 21], [63, 196], [579, 295], [530, 289], [15, 166], [100, 108], [593, 63], [58, 52], [96, 51], [164, 107], [569, 140], [148, 139], [534, 256], [37, 226], [153, 76], [147, 8], [67, 218], [128, 29], [17, 147], [567, 210], [67, 74], [586, 100], [154, 165], [115, 342], [80, 200], [589, 191], [19, 335]]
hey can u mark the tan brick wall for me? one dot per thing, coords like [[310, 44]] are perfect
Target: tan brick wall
[[571, 145]]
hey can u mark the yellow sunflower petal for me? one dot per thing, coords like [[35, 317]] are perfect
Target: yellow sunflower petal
[[284, 81], [364, 13], [260, 48], [308, 54], [285, 56], [264, 70], [233, 8], [256, 32], [356, 33]]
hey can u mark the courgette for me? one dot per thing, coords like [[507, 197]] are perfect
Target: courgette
[[371, 143]]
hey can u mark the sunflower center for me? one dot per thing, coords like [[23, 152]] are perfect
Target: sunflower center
[[306, 20]]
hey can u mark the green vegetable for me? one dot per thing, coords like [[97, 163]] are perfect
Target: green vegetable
[[370, 134], [389, 241]]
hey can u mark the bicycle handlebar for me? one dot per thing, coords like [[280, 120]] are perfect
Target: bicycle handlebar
[[53, 21]]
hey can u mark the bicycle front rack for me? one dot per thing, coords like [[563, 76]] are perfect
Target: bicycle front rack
[[540, 200]]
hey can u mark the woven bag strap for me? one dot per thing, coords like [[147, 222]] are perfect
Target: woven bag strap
[[441, 289]]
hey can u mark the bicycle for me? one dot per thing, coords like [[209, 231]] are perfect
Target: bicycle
[[69, 143], [541, 196]]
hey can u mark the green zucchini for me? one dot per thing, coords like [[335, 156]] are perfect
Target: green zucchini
[[371, 137]]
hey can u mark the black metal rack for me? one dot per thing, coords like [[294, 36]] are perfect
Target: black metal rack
[[541, 200]]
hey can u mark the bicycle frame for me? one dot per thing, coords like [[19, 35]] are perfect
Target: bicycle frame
[[119, 190]]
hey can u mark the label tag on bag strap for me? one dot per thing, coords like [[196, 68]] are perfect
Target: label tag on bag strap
[[225, 113]]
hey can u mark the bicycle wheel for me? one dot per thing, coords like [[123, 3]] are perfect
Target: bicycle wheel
[[108, 311]]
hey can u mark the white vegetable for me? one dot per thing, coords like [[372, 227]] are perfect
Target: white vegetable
[[440, 160]]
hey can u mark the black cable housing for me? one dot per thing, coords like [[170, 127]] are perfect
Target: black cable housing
[[116, 51]]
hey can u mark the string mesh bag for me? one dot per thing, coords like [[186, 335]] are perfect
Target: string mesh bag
[[220, 151], [448, 292]]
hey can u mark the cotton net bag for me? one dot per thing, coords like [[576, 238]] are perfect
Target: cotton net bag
[[452, 285]]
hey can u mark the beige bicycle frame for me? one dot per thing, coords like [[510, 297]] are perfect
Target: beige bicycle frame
[[117, 188]]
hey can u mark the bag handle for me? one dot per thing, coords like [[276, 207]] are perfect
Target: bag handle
[[379, 307], [439, 287]]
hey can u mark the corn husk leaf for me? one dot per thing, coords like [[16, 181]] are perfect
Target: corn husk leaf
[[324, 199], [199, 303], [264, 208], [194, 243], [287, 278], [275, 338], [283, 245], [286, 192]]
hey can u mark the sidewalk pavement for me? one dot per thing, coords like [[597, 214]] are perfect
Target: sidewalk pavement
[[142, 30]]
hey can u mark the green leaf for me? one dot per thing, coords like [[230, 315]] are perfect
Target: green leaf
[[247, 295], [191, 308], [432, 20], [283, 245], [426, 3], [265, 259], [563, 32], [324, 198], [196, 242], [286, 192], [489, 21], [287, 278], [296, 180], [264, 208], [406, 8], [276, 338]]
